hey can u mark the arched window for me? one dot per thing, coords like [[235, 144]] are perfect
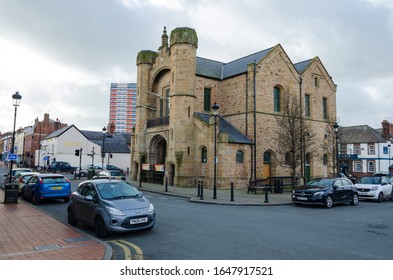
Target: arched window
[[204, 155], [277, 99], [239, 156], [325, 159]]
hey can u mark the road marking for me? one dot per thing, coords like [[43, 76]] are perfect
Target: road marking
[[125, 245]]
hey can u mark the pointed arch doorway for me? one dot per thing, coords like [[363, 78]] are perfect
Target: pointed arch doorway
[[157, 157]]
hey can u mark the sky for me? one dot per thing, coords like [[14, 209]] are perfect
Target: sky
[[62, 56]]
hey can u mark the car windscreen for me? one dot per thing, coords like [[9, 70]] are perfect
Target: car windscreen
[[16, 172], [321, 183], [116, 173], [370, 180], [116, 190], [49, 180]]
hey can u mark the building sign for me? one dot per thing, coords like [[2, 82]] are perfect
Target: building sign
[[159, 167], [146, 167]]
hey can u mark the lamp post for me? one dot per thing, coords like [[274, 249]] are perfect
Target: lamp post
[[336, 127], [215, 108], [103, 146], [16, 98], [389, 157]]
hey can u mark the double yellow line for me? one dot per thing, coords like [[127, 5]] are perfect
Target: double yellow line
[[127, 246]]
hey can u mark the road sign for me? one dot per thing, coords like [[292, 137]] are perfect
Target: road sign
[[12, 156]]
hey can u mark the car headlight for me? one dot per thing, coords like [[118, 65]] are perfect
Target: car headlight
[[151, 209], [114, 211], [375, 188], [318, 194]]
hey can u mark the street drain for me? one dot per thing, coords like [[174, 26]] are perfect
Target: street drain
[[79, 239], [47, 247]]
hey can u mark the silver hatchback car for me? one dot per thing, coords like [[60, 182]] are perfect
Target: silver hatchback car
[[110, 206]]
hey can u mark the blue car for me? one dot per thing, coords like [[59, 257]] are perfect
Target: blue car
[[46, 186]]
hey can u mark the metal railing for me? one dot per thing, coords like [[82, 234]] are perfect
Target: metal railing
[[158, 122]]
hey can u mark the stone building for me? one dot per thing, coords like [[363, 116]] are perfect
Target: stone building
[[174, 134]]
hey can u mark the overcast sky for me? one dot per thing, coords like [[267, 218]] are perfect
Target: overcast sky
[[62, 55]]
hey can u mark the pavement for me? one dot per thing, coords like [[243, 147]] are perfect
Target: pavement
[[27, 233]]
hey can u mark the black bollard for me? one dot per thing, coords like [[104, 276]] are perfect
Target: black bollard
[[166, 184], [266, 195], [199, 188], [201, 191], [232, 193]]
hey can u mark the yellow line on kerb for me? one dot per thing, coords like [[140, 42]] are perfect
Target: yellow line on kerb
[[127, 252]]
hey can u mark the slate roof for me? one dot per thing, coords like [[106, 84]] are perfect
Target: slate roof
[[114, 143], [360, 134], [235, 136], [220, 70]]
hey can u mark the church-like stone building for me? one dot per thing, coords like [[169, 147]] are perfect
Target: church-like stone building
[[175, 136]]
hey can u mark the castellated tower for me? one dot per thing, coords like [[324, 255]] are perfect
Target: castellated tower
[[165, 106]]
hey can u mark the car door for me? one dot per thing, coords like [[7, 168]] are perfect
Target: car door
[[29, 187], [386, 187], [338, 192], [347, 190], [87, 207]]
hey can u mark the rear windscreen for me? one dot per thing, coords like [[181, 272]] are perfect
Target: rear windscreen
[[48, 180]]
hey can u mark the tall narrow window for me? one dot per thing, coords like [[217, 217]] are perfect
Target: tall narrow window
[[167, 102], [324, 108], [307, 105], [239, 156], [204, 155], [207, 100], [277, 100]]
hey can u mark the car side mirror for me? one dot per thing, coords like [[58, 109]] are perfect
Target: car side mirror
[[335, 187]]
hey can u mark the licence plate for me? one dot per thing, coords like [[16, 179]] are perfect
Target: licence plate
[[301, 198], [138, 221], [56, 188]]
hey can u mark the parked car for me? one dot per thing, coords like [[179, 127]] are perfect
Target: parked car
[[15, 171], [110, 206], [22, 178], [110, 174], [327, 192], [85, 169], [376, 188], [46, 186], [112, 167], [60, 166]]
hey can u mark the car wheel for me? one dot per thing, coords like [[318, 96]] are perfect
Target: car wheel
[[380, 197], [23, 195], [391, 196], [67, 199], [100, 227], [35, 199], [83, 174], [71, 218], [355, 199], [329, 201]]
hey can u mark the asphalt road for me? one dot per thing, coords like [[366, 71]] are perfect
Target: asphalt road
[[193, 231]]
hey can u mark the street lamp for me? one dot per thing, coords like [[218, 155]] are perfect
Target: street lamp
[[389, 157], [336, 127], [16, 98], [215, 108], [103, 146]]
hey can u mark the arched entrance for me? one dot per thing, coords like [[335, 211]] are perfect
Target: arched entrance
[[156, 159]]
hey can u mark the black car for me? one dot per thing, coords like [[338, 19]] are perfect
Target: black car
[[60, 166], [326, 192]]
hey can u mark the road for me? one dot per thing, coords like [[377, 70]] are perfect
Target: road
[[193, 231]]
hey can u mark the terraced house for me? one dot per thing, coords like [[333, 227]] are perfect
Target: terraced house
[[176, 128]]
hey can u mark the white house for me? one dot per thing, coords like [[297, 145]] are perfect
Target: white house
[[364, 150], [62, 144]]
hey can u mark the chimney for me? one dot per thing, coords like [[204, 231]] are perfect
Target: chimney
[[385, 130], [112, 128]]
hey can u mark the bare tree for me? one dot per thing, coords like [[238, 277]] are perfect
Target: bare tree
[[294, 134]]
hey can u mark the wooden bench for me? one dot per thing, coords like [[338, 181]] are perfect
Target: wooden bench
[[256, 185]]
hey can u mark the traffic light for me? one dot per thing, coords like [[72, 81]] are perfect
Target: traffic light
[[77, 153]]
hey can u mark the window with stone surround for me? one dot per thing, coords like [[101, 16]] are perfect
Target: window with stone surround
[[239, 156], [358, 166], [371, 166], [204, 155], [324, 108], [207, 100], [307, 107], [277, 99]]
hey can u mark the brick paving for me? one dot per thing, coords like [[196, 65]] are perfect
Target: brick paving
[[26, 233]]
